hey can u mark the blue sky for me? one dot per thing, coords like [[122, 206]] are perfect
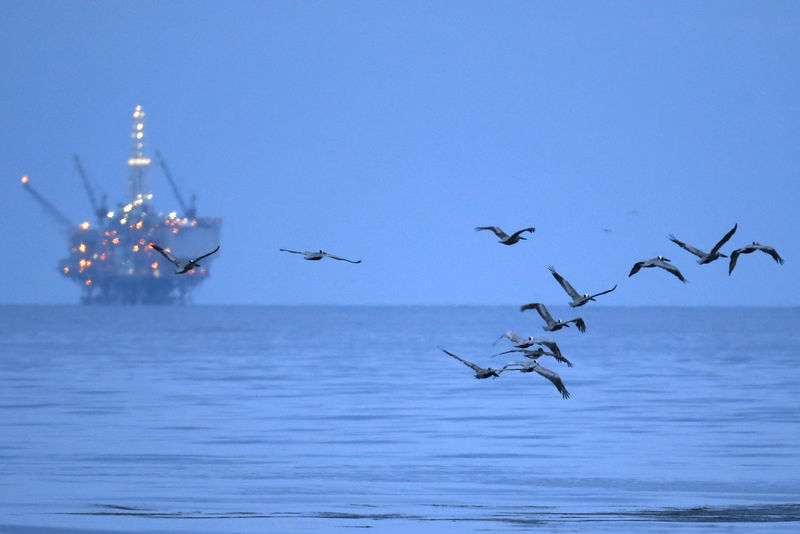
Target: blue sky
[[387, 131]]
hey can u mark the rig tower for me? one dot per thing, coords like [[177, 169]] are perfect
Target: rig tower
[[112, 261]]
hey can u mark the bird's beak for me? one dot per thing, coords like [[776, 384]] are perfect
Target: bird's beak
[[525, 238]]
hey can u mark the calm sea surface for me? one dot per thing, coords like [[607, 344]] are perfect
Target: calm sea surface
[[325, 419]]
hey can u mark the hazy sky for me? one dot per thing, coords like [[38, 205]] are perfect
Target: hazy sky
[[388, 130]]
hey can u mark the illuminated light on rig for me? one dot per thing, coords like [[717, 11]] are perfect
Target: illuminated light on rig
[[24, 179], [103, 256], [154, 265], [110, 214], [127, 208], [173, 214], [89, 282], [85, 225], [139, 126], [115, 241], [135, 248], [82, 247], [174, 230], [123, 220], [66, 270], [141, 241], [139, 225], [194, 223]]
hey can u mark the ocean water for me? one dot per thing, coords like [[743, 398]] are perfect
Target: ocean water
[[324, 419]]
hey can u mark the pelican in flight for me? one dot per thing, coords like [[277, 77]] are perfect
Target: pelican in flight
[[553, 325], [752, 248], [706, 257], [536, 354], [480, 372], [659, 261], [552, 376], [577, 299], [525, 342], [183, 266], [313, 256], [504, 237]]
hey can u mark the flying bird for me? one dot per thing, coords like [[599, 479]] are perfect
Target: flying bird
[[752, 248], [552, 376], [525, 342], [313, 256], [480, 372], [183, 266], [659, 261], [504, 237], [577, 299], [706, 257], [553, 325], [536, 354]]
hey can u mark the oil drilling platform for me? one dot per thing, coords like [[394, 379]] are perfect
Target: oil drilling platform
[[110, 258]]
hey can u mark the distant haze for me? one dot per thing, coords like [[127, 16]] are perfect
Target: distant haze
[[386, 131]]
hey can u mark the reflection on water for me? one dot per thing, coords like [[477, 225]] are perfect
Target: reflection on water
[[307, 419]]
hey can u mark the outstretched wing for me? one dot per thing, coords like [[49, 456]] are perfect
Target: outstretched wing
[[636, 267], [205, 255], [671, 268], [341, 259], [510, 335], [735, 257], [550, 344], [167, 254], [539, 307], [697, 252], [476, 368], [553, 377], [538, 353], [566, 285], [507, 352], [294, 251], [772, 252], [604, 292], [497, 231], [517, 233], [579, 322], [559, 358], [724, 239]]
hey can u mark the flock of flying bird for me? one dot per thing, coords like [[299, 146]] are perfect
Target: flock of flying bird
[[523, 345]]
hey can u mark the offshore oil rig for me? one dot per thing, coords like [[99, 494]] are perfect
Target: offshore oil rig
[[110, 258]]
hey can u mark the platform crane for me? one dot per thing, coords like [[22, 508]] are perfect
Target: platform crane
[[190, 211], [100, 210], [51, 210]]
